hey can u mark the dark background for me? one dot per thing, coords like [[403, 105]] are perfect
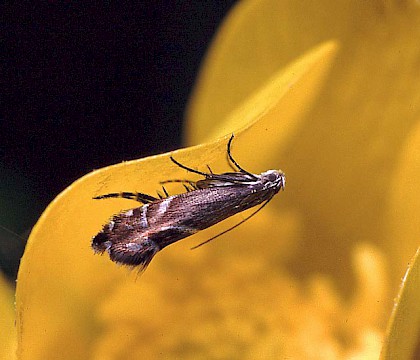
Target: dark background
[[87, 86]]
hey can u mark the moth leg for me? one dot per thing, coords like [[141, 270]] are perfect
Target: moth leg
[[188, 188], [165, 193], [188, 168], [140, 197], [164, 190]]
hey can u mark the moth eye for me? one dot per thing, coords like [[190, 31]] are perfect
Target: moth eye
[[272, 177]]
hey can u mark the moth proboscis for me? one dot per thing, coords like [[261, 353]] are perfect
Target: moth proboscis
[[134, 236]]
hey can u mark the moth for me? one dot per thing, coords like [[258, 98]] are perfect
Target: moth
[[133, 237]]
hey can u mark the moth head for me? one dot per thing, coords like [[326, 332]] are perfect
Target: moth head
[[274, 179]]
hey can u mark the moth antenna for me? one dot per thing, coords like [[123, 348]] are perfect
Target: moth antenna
[[234, 161], [233, 227]]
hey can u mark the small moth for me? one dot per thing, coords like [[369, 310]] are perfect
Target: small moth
[[134, 236]]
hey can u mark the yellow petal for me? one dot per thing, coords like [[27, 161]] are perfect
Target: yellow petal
[[403, 222], [403, 329], [402, 240], [7, 321]]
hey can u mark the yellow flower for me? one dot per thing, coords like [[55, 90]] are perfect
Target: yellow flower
[[327, 92]]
